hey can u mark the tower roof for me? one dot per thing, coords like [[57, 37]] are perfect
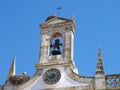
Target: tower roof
[[50, 17]]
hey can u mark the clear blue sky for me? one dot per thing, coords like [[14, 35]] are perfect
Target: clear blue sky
[[98, 23]]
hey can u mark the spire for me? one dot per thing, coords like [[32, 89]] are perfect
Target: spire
[[12, 68], [99, 68]]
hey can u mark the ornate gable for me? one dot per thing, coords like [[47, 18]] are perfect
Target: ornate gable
[[55, 20]]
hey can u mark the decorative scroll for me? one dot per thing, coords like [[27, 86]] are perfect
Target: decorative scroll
[[112, 81]]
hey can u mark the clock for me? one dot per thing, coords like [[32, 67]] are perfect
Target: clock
[[51, 76]]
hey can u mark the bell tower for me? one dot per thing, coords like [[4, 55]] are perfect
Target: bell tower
[[57, 36], [55, 69]]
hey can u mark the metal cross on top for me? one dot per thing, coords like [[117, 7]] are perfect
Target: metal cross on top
[[59, 9]]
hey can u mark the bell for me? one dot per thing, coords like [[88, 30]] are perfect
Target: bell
[[56, 47], [56, 51]]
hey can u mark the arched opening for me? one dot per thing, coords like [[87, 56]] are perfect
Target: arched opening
[[56, 43]]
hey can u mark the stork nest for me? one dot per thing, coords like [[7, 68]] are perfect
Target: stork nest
[[19, 79]]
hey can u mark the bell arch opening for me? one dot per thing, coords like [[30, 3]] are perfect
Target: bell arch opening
[[56, 44]]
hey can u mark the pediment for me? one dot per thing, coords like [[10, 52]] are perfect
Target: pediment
[[55, 21], [52, 20], [37, 82], [65, 82]]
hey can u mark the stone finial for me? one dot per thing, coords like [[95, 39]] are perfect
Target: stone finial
[[99, 67], [72, 18]]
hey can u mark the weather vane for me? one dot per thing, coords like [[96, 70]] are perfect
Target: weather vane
[[59, 9]]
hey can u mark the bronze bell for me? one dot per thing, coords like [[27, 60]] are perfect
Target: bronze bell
[[56, 47], [56, 51]]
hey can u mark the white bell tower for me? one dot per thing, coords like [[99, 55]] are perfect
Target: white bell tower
[[55, 69], [57, 39]]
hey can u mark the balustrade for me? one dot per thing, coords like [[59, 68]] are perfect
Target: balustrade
[[112, 81]]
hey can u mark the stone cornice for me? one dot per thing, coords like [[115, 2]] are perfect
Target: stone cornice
[[45, 65], [57, 25]]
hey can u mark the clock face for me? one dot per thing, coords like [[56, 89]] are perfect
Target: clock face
[[52, 76]]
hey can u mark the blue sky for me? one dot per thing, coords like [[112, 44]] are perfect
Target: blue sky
[[98, 24]]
